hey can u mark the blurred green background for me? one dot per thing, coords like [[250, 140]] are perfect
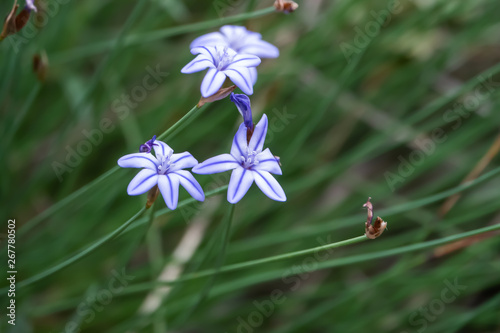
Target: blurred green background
[[402, 112]]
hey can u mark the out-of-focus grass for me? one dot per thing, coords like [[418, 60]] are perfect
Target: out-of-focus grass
[[349, 124]]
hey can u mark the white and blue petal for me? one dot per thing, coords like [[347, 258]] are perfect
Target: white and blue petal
[[267, 162], [142, 182], [239, 147], [216, 164], [161, 148], [169, 188], [253, 74], [212, 82], [209, 51], [260, 48], [241, 77], [139, 160], [210, 39], [259, 135], [240, 182], [244, 60], [187, 181], [199, 63], [182, 161], [268, 185]]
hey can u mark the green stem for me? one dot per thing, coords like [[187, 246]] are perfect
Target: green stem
[[135, 39], [116, 46], [220, 260], [103, 241], [267, 260], [180, 124], [327, 264], [153, 241], [80, 255]]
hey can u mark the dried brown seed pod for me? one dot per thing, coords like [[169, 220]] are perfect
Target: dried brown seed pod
[[375, 229], [41, 65], [286, 7]]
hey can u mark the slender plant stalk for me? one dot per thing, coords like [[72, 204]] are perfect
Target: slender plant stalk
[[117, 232], [80, 255], [85, 51], [83, 190], [220, 260], [327, 264]]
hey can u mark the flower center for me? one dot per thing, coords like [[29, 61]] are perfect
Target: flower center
[[250, 160], [225, 59], [165, 164]]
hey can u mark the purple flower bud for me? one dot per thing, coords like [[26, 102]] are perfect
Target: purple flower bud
[[146, 147], [243, 104]]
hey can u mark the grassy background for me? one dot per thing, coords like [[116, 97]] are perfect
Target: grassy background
[[349, 124]]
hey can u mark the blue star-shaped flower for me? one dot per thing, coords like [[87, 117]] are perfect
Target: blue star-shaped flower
[[249, 163], [222, 61], [164, 170], [242, 41]]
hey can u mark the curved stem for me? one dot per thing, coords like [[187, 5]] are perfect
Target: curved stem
[[80, 255], [327, 264], [85, 51], [180, 124], [257, 262]]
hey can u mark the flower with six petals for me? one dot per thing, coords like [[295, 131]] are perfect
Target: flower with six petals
[[249, 163], [242, 41], [164, 170], [222, 62]]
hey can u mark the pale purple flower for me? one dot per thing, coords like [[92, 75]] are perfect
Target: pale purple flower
[[222, 61], [164, 170], [240, 39], [249, 163], [30, 5]]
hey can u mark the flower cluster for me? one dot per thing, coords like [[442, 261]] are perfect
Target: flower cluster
[[234, 52]]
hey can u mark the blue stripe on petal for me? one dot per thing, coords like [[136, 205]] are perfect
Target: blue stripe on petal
[[267, 182], [239, 183], [144, 180]]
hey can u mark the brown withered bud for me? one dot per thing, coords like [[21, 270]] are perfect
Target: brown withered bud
[[152, 196], [22, 18], [375, 229], [221, 94], [41, 65], [9, 26], [285, 6]]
